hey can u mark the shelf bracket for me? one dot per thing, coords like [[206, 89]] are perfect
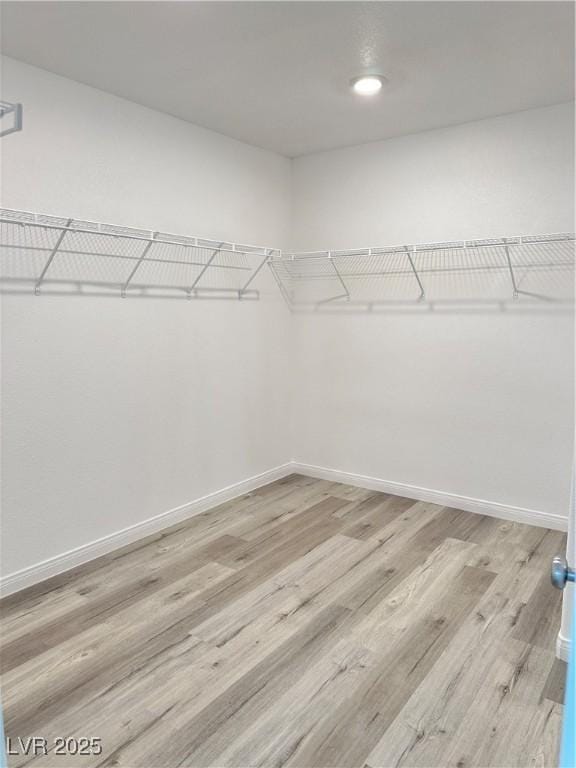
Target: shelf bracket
[[416, 275], [149, 245], [340, 278], [204, 268], [253, 275], [6, 108], [53, 253], [333, 298], [515, 290], [287, 297]]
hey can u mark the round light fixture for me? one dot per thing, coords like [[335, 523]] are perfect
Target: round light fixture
[[367, 85]]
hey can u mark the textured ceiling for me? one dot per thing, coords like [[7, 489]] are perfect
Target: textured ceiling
[[276, 74]]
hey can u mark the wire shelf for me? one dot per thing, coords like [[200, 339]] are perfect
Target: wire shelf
[[50, 254], [10, 118], [54, 254], [534, 268]]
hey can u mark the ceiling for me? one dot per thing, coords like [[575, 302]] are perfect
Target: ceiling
[[276, 74]]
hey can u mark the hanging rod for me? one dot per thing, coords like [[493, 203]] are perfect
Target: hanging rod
[[534, 267], [48, 253]]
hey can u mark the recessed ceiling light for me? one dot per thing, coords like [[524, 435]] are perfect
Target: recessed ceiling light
[[367, 85]]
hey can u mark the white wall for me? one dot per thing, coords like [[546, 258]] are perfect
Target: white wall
[[475, 405], [116, 411]]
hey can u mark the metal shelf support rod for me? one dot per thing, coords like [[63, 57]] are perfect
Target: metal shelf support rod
[[280, 284], [416, 275], [511, 270], [333, 298], [253, 275], [204, 268], [138, 263], [53, 253], [339, 276]]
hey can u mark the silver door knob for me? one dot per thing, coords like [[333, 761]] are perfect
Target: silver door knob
[[561, 573]]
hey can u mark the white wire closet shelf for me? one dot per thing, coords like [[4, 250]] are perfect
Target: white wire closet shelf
[[536, 269], [10, 118], [50, 254]]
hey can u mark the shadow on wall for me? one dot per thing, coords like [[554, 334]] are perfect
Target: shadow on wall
[[513, 274], [56, 255], [64, 256]]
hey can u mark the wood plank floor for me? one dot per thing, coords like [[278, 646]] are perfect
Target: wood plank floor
[[305, 624]]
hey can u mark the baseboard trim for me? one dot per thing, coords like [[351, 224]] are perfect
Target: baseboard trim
[[563, 647], [491, 508], [34, 574]]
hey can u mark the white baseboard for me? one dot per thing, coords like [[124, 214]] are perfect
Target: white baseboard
[[563, 647], [445, 499], [26, 577], [14, 582]]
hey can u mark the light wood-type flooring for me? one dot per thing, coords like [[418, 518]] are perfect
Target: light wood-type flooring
[[307, 623]]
